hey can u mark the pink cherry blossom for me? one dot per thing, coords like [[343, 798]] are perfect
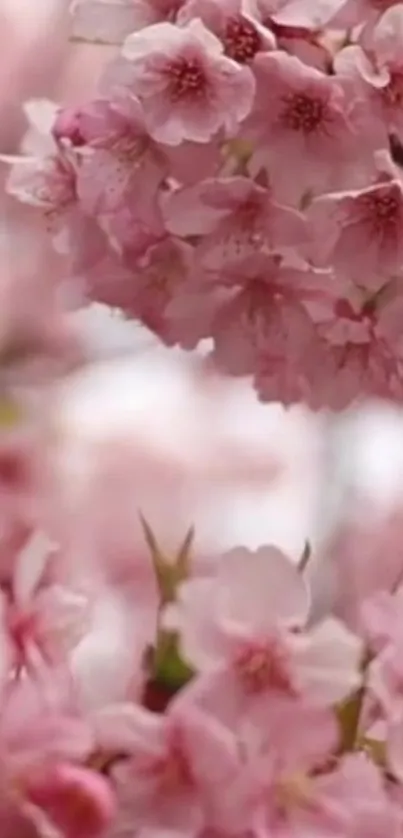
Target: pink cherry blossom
[[117, 144], [78, 801], [277, 777], [298, 790], [177, 764], [162, 271], [301, 114], [188, 88], [360, 232], [304, 44], [144, 286], [38, 733], [45, 620], [39, 728], [250, 643], [375, 68], [242, 36], [254, 322], [236, 217]]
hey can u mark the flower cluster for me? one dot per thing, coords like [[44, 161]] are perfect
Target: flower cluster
[[238, 178]]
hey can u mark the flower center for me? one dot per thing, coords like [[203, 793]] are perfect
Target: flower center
[[303, 113], [382, 212], [263, 666], [241, 40], [187, 80]]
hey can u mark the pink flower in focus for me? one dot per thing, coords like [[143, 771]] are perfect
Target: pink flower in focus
[[120, 170], [375, 69], [189, 89], [145, 285], [304, 117], [236, 219], [264, 315], [360, 232], [157, 279], [241, 35], [243, 630]]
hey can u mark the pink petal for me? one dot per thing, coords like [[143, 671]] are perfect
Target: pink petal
[[328, 662], [79, 801], [202, 643], [125, 727], [213, 749], [262, 588]]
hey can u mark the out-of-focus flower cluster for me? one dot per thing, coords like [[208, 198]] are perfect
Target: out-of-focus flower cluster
[[239, 178]]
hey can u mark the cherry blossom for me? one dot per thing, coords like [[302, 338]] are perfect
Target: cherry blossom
[[375, 67], [78, 801], [45, 620], [188, 88], [236, 217], [301, 114], [132, 170], [242, 35], [255, 644], [175, 763], [253, 323], [360, 232]]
